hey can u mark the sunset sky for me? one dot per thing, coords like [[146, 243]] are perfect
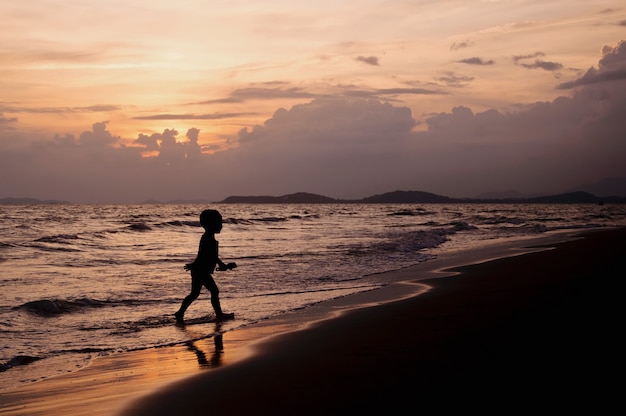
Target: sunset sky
[[126, 101]]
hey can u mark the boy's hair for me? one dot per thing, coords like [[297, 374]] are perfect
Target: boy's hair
[[209, 218]]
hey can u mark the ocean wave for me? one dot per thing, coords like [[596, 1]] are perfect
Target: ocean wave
[[461, 226], [180, 223], [139, 226], [410, 212], [500, 219], [61, 238], [18, 361], [59, 242], [54, 249], [270, 219], [52, 307], [236, 221]]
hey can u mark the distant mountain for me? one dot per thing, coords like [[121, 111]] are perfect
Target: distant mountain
[[574, 198], [396, 197], [297, 198], [413, 197], [605, 187], [418, 197]]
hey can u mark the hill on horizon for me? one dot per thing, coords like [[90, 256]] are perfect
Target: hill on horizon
[[419, 197], [395, 197], [297, 198]]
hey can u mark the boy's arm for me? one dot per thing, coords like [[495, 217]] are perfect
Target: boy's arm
[[223, 266]]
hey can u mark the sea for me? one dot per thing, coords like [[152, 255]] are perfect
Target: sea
[[83, 281]]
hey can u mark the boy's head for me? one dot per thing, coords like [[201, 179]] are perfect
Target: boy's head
[[211, 220]]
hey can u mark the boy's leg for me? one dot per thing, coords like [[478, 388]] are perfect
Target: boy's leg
[[209, 283], [196, 285]]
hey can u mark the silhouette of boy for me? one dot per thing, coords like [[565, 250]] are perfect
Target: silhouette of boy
[[204, 265]]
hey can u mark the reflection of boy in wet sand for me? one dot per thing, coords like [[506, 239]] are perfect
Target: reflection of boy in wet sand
[[204, 265]]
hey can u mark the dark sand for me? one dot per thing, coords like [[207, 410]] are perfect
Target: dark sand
[[537, 332]]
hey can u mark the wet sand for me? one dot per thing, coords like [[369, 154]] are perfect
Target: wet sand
[[538, 331]]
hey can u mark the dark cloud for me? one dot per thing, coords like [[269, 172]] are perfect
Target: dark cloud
[[613, 57], [270, 93], [476, 61], [381, 93], [99, 136], [214, 116], [412, 91], [370, 60], [261, 93], [517, 58], [460, 45], [387, 94], [593, 76], [99, 108], [537, 63], [169, 150], [454, 80], [548, 66], [611, 67]]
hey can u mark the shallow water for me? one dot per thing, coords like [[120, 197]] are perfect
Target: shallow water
[[80, 281]]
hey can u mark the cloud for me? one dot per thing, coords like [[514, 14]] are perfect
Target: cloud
[[370, 60], [594, 76], [214, 116], [168, 150], [611, 67], [383, 92], [261, 93], [461, 45], [351, 148], [270, 93], [517, 58], [343, 147], [99, 108], [538, 63], [99, 136], [454, 80], [548, 66], [476, 61]]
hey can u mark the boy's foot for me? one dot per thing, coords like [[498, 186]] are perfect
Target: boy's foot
[[225, 317], [179, 318]]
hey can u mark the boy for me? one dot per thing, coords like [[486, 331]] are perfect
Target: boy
[[204, 265]]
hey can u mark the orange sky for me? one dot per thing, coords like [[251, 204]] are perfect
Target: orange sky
[[223, 66]]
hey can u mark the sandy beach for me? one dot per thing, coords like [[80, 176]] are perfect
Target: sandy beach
[[534, 331]]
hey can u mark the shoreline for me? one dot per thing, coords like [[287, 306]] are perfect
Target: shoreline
[[141, 381]]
